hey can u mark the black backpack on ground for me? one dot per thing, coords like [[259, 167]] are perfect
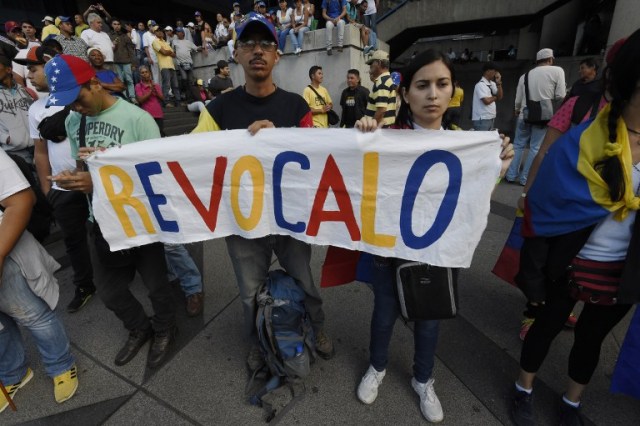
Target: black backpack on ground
[[287, 344]]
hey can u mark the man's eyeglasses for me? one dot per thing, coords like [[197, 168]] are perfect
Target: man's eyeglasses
[[266, 45]]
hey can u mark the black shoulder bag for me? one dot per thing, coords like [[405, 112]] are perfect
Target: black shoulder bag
[[537, 112]]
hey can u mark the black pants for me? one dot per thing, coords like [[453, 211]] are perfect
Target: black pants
[[113, 287], [160, 123], [594, 324], [71, 212]]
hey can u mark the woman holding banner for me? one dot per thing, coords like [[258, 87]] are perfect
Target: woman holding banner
[[582, 207], [425, 91]]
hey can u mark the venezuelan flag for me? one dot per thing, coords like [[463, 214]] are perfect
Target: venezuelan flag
[[626, 377], [508, 262], [568, 193]]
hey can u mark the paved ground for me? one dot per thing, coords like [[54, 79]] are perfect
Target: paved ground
[[204, 381]]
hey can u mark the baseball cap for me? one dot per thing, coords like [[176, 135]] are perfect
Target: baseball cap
[[378, 55], [66, 74], [47, 18], [197, 13], [35, 55], [9, 26], [191, 24], [199, 82], [179, 30], [60, 19], [254, 20], [613, 50], [545, 53], [151, 23], [235, 3], [262, 4], [168, 28]]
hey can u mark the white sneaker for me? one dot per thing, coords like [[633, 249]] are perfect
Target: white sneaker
[[298, 50], [429, 402], [368, 387]]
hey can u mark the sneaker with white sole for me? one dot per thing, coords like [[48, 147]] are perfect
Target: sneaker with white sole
[[12, 389], [368, 387], [429, 402]]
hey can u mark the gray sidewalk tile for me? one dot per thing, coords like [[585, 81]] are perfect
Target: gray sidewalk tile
[[141, 410]]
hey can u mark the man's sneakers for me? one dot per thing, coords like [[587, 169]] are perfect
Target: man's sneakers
[[324, 345], [297, 51], [137, 338], [521, 410], [368, 387], [329, 51], [65, 385], [80, 299], [524, 328], [429, 402], [12, 389], [568, 415]]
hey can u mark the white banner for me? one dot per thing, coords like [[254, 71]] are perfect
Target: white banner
[[419, 195]]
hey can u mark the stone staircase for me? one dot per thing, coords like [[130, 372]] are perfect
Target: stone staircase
[[179, 121]]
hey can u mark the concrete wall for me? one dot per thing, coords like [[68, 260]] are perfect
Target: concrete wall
[[292, 72], [626, 20], [438, 12]]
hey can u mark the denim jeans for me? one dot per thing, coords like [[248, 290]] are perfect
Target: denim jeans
[[298, 38], [113, 288], [20, 306], [370, 21], [282, 38], [251, 260], [126, 75], [181, 266], [329, 32], [383, 319], [71, 211], [525, 133], [483, 125], [170, 79]]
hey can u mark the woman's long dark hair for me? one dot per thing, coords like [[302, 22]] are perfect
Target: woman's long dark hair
[[404, 117], [621, 78]]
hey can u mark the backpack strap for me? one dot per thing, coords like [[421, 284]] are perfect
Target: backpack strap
[[526, 87], [318, 94]]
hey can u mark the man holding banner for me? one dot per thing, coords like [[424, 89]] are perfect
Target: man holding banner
[[261, 104], [113, 122]]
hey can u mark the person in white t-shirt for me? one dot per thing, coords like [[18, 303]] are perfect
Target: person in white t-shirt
[[152, 59], [487, 91], [546, 82], [371, 14], [52, 156], [95, 37]]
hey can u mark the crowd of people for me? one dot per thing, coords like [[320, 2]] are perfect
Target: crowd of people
[[71, 94]]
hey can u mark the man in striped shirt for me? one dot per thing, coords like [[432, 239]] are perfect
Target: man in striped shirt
[[382, 99]]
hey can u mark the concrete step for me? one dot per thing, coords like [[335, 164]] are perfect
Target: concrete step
[[179, 129]]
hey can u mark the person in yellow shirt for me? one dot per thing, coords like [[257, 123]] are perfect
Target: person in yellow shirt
[[318, 98], [167, 68], [454, 112], [49, 28], [80, 24]]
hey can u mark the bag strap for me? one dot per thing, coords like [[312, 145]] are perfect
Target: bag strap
[[526, 87], [321, 98]]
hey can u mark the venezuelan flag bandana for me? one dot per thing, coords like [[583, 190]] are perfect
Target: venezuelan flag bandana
[[568, 193]]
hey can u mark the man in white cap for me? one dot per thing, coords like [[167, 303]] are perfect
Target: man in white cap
[[382, 99], [543, 85], [189, 30], [49, 28]]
